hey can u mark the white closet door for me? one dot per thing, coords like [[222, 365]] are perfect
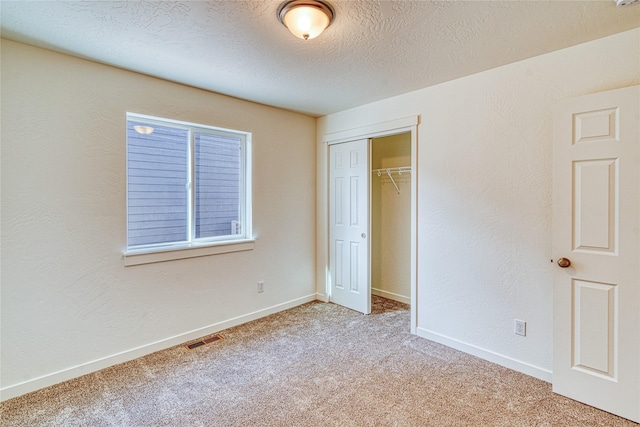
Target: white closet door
[[596, 226], [349, 248]]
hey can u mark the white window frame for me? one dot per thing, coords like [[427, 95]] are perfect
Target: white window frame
[[145, 254]]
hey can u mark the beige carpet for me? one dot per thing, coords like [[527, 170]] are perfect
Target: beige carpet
[[314, 365]]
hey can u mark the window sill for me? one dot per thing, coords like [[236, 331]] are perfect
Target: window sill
[[149, 256]]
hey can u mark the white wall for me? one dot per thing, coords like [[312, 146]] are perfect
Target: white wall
[[484, 195], [69, 305], [391, 219]]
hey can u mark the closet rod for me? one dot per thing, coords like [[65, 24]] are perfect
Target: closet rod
[[400, 170], [389, 171]]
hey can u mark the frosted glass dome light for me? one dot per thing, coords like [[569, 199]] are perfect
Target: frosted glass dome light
[[305, 19]]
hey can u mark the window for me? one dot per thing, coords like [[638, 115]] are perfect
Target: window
[[188, 185]]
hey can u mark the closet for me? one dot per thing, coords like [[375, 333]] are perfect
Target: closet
[[390, 212], [370, 221]]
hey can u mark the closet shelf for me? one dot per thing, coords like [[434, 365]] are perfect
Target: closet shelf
[[399, 171], [390, 171]]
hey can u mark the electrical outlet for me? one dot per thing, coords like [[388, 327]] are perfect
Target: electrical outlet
[[520, 327], [260, 286]]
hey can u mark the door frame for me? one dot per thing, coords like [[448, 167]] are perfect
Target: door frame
[[374, 130]]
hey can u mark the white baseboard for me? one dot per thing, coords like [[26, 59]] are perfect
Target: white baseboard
[[125, 356], [322, 297], [391, 295], [507, 362]]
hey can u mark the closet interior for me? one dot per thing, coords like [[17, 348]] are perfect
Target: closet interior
[[391, 217]]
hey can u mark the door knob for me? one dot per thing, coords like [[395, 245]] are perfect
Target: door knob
[[564, 262], [364, 236]]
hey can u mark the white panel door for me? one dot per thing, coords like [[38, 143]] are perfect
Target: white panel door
[[596, 226], [349, 225]]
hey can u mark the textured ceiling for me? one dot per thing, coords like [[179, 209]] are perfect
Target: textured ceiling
[[373, 49]]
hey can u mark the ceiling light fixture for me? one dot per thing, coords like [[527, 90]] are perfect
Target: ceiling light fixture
[[305, 19], [143, 130], [625, 3]]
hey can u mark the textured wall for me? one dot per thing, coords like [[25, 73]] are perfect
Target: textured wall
[[67, 298], [391, 219], [484, 193]]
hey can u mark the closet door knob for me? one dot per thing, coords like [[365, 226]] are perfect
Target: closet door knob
[[363, 235], [564, 262]]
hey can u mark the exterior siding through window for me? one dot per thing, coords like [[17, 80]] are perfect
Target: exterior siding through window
[[217, 169], [157, 174], [161, 210]]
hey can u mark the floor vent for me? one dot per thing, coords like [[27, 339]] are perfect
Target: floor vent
[[203, 341]]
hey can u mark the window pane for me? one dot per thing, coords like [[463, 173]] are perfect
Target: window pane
[[156, 185], [218, 185]]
